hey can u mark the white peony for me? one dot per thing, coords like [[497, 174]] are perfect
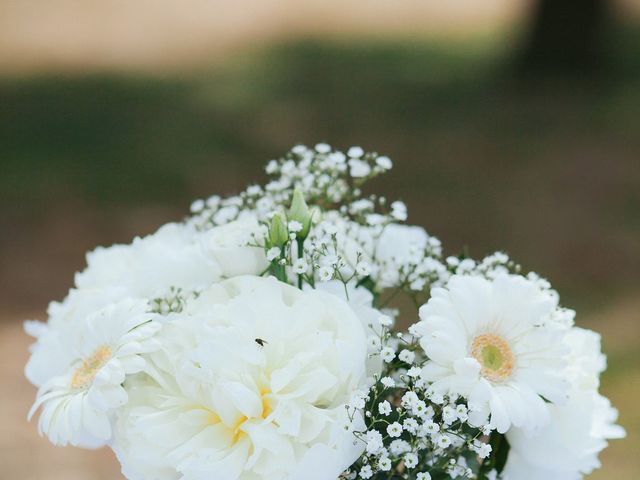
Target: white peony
[[568, 447], [77, 405], [251, 383], [494, 343]]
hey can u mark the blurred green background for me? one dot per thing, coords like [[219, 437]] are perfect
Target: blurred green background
[[513, 128]]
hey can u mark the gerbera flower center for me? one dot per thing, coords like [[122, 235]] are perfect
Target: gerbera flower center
[[494, 355], [87, 371]]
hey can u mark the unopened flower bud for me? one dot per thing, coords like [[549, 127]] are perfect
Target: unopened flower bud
[[301, 213], [278, 233]]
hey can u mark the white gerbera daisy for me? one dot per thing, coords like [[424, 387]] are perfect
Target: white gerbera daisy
[[76, 406], [50, 356], [494, 342]]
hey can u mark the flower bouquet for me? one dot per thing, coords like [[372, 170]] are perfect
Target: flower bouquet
[[260, 339]]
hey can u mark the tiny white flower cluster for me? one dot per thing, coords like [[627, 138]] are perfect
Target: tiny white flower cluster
[[257, 340], [173, 302], [411, 428], [329, 177], [491, 266]]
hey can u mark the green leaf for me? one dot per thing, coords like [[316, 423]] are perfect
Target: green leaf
[[499, 453]]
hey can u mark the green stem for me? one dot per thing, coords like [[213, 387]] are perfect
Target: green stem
[[300, 254]]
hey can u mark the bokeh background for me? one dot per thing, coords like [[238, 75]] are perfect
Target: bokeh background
[[513, 124]]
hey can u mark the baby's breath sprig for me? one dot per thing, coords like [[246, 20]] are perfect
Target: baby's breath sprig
[[173, 302], [318, 194], [327, 179], [412, 431]]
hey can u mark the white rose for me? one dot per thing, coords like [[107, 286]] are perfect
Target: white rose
[[227, 245], [251, 382], [149, 266], [360, 300]]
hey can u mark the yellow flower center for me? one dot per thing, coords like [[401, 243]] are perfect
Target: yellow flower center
[[87, 371], [266, 403], [495, 357], [236, 431]]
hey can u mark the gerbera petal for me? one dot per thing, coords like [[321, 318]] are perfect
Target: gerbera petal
[[499, 415]]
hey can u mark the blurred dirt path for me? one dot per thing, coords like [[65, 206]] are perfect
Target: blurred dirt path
[[159, 34]]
